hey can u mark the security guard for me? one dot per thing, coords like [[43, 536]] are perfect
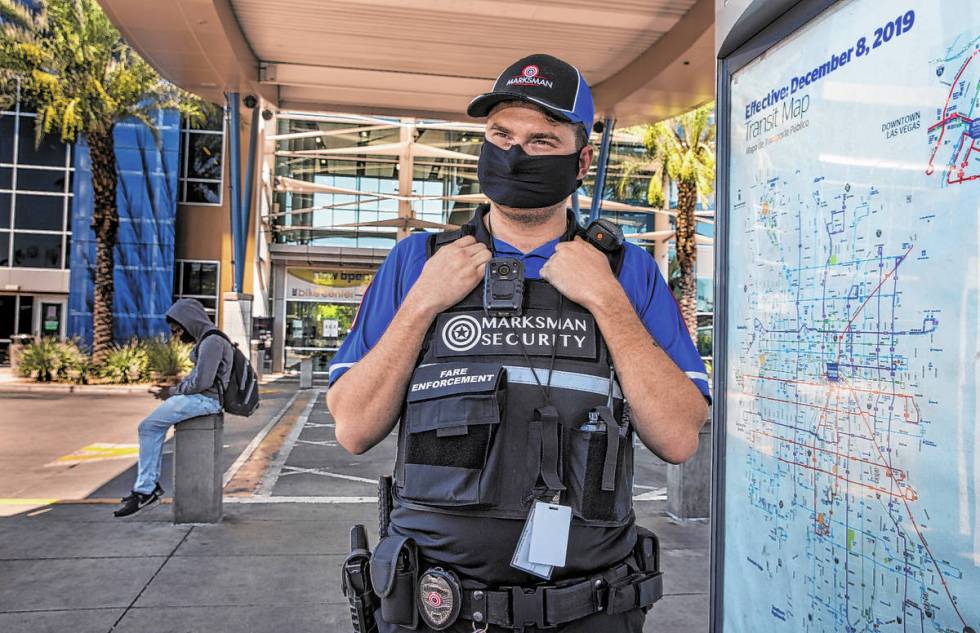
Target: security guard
[[521, 357]]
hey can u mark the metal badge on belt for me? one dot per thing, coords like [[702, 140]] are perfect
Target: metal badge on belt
[[439, 598]]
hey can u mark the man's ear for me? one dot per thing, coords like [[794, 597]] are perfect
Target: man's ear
[[585, 161]]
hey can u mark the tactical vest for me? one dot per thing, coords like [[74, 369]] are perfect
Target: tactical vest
[[477, 436]]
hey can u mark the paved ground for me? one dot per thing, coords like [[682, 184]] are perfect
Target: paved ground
[[59, 445], [272, 563]]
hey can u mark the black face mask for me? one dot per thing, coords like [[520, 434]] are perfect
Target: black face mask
[[514, 179]]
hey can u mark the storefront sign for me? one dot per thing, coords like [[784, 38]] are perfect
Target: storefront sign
[[311, 284]]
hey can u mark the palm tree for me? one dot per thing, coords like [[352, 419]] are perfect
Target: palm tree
[[73, 67], [685, 146]]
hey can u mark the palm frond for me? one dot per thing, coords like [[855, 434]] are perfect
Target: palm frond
[[75, 69], [22, 17]]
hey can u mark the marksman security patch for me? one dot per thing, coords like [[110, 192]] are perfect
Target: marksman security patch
[[476, 334]]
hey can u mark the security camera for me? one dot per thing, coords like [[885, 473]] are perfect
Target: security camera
[[267, 114], [250, 101]]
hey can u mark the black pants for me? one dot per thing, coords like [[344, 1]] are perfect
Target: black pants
[[629, 622]]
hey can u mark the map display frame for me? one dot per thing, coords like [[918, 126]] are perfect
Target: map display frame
[[847, 325]]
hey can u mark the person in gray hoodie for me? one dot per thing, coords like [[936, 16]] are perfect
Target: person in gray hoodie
[[197, 394]]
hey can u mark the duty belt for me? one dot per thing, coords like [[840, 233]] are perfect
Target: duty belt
[[616, 590]]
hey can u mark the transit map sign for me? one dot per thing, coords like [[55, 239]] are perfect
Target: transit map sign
[[852, 455]]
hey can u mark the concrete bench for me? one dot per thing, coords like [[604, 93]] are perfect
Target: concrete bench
[[197, 469]]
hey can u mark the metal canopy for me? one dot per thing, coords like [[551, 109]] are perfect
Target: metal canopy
[[646, 59]]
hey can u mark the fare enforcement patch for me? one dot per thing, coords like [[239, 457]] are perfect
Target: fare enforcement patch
[[444, 379], [475, 334]]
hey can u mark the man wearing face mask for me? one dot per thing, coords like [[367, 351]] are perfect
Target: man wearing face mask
[[197, 394], [512, 496]]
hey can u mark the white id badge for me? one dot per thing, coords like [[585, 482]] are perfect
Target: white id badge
[[520, 559], [549, 534]]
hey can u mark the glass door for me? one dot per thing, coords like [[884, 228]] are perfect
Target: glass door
[[8, 318], [52, 321]]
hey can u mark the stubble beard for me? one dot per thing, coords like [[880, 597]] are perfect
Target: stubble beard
[[531, 217]]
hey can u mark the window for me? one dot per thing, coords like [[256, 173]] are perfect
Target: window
[[202, 167], [35, 195], [198, 280]]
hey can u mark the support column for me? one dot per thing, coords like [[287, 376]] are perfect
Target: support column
[[661, 222], [235, 189], [237, 319], [278, 317], [600, 170], [245, 205], [406, 167]]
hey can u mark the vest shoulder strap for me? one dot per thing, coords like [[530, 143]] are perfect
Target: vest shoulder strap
[[438, 240], [616, 259]]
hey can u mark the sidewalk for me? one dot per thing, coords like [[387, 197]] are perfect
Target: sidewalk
[[272, 564]]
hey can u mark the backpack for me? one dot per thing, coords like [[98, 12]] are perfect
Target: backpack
[[242, 395]]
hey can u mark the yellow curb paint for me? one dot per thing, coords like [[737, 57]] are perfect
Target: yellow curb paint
[[27, 502], [97, 453]]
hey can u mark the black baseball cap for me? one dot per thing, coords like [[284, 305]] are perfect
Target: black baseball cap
[[554, 85]]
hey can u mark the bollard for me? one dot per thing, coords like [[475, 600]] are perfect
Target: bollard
[[689, 484], [197, 469], [306, 373], [258, 359]]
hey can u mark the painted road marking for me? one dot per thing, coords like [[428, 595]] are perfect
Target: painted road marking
[[296, 470], [97, 453], [255, 499], [327, 443], [657, 494], [256, 441], [271, 475]]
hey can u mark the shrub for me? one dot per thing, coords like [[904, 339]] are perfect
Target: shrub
[[50, 360], [126, 364], [75, 363], [168, 359]]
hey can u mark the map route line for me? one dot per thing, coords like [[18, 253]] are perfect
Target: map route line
[[955, 115], [930, 169], [824, 409], [840, 478], [907, 398], [869, 297], [890, 471], [908, 511], [961, 172]]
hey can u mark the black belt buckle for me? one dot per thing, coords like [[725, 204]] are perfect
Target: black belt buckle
[[527, 607]]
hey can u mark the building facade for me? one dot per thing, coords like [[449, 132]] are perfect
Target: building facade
[[332, 195]]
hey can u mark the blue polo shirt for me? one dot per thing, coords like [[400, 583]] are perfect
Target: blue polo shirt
[[460, 542], [639, 276]]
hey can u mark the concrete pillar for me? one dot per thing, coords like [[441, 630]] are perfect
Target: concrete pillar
[[197, 469], [278, 317], [306, 373], [689, 484], [661, 222], [406, 168], [237, 319]]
